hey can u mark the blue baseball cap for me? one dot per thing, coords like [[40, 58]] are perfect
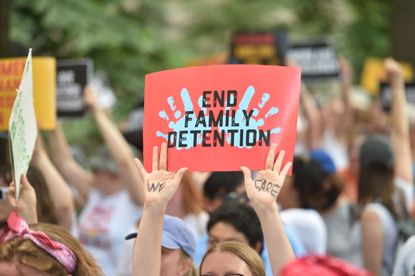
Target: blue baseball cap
[[325, 161], [176, 235]]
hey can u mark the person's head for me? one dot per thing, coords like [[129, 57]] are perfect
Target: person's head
[[106, 171], [177, 248], [22, 256], [236, 222], [219, 186], [314, 183], [44, 207], [376, 172], [231, 258]]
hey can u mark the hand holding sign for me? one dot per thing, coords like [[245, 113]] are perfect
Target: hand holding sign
[[26, 205], [264, 190], [90, 98], [161, 184]]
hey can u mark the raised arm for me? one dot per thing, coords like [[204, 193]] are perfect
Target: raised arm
[[345, 118], [118, 147], [263, 193], [161, 185], [400, 124], [71, 171], [312, 114], [60, 193]]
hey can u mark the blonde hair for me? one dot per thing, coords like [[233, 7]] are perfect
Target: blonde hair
[[24, 251], [185, 258], [243, 251]]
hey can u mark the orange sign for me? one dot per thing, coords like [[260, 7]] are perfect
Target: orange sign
[[44, 89]]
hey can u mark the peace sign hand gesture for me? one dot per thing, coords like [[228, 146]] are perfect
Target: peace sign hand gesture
[[264, 190], [161, 184]]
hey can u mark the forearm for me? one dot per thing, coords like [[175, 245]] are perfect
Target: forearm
[[279, 249], [121, 153], [60, 193], [312, 115], [147, 247], [71, 171], [400, 131]]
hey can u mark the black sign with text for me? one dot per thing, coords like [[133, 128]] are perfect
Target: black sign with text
[[317, 60], [72, 77], [385, 94]]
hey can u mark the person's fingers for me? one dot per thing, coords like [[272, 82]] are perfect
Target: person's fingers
[[179, 174], [163, 157], [270, 157], [285, 170], [140, 167], [278, 162], [12, 185], [155, 158], [247, 173], [11, 194]]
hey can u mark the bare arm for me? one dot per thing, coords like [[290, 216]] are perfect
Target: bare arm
[[345, 118], [400, 123], [312, 114], [372, 238], [147, 247], [119, 149], [263, 193], [71, 171], [60, 193]]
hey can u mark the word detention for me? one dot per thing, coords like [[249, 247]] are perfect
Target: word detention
[[211, 127]]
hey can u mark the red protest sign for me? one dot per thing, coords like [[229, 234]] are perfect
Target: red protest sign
[[219, 117]]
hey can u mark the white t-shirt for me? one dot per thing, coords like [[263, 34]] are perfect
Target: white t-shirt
[[309, 227], [103, 225]]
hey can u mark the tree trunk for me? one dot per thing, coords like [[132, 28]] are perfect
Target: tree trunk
[[4, 52], [402, 30], [4, 28]]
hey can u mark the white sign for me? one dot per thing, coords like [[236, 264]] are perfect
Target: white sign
[[22, 125]]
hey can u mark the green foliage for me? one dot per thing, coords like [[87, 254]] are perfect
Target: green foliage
[[129, 38]]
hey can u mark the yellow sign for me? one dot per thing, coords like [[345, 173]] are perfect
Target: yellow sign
[[373, 73], [44, 89]]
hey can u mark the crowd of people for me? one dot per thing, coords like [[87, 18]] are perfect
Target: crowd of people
[[341, 212]]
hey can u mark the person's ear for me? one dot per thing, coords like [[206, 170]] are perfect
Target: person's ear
[[185, 266]]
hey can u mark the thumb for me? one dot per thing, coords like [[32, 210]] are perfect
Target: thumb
[[11, 194], [179, 174], [25, 183], [247, 173]]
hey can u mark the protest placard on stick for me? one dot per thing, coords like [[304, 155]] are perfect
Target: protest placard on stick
[[22, 125]]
